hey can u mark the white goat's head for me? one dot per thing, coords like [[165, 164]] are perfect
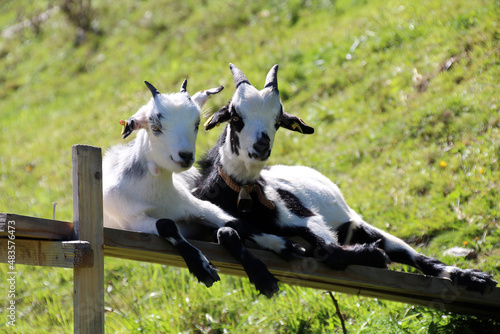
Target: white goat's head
[[170, 124], [254, 117]]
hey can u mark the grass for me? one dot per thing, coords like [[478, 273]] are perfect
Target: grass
[[419, 159]]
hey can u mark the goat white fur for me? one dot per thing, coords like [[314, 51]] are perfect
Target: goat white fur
[[139, 184]]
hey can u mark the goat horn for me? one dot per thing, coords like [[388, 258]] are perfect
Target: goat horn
[[152, 88], [183, 86], [238, 76], [272, 78]]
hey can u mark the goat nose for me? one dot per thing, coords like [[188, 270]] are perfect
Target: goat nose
[[262, 145], [186, 156]]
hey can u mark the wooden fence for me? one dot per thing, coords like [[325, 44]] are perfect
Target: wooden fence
[[83, 243]]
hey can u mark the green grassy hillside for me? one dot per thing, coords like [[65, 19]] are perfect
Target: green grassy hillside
[[404, 97]]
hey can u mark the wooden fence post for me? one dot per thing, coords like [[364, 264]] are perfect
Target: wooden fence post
[[88, 297]]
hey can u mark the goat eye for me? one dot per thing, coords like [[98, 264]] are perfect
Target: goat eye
[[237, 122], [197, 126], [155, 129]]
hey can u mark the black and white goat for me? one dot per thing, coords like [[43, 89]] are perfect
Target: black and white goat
[[143, 191], [295, 200]]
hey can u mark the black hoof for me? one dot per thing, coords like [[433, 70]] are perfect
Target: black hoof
[[205, 272], [292, 251], [473, 280], [265, 283], [259, 275], [375, 257]]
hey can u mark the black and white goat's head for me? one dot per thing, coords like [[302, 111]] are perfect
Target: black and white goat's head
[[170, 126], [254, 117]]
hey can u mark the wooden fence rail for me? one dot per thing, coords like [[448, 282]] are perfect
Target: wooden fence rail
[[82, 245]]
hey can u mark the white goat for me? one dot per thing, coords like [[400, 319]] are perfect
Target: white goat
[[142, 194], [295, 200]]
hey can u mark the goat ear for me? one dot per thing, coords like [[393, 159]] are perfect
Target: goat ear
[[202, 97], [294, 123], [135, 122], [223, 115], [130, 126]]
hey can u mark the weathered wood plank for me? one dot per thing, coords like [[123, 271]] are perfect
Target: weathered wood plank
[[36, 228], [63, 254], [385, 284], [88, 298], [373, 282]]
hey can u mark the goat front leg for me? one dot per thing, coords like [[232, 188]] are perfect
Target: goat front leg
[[256, 270], [399, 251], [196, 262], [211, 215]]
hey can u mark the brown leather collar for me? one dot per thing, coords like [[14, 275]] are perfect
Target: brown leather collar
[[244, 203]]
